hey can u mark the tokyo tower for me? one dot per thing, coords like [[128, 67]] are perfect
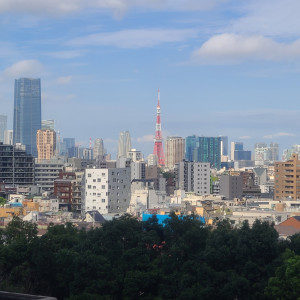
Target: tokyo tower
[[158, 145]]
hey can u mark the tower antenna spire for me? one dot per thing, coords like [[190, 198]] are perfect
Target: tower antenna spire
[[158, 141]]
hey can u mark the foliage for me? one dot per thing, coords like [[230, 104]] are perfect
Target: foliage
[[129, 259]]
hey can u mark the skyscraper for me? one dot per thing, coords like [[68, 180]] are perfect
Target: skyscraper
[[124, 145], [204, 149], [3, 127], [27, 113], [98, 151]]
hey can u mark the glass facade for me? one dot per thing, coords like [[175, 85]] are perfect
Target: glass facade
[[27, 113], [204, 149]]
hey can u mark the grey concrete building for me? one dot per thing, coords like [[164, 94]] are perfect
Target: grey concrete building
[[231, 186], [46, 172], [193, 177]]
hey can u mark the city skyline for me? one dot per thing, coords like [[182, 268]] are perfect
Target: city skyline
[[223, 67]]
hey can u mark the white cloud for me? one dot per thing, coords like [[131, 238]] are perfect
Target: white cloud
[[145, 138], [135, 38], [268, 17], [63, 80], [25, 68], [233, 48], [279, 134]]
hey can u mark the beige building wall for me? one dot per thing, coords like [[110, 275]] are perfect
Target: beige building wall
[[287, 179], [45, 143], [175, 151]]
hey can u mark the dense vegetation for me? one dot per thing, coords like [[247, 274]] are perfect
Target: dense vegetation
[[128, 259]]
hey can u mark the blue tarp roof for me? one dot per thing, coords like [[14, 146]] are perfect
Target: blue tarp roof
[[162, 218], [15, 204]]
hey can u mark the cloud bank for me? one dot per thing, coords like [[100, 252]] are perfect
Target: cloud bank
[[232, 48]]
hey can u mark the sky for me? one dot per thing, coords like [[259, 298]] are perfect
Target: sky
[[223, 67]]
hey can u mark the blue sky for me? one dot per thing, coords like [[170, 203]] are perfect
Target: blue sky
[[223, 67]]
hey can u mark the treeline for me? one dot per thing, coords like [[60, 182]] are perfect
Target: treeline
[[128, 259]]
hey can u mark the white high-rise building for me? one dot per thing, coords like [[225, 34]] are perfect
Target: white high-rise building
[[124, 145], [107, 190], [8, 137], [98, 152]]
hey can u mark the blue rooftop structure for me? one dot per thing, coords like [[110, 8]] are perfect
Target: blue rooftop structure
[[162, 218]]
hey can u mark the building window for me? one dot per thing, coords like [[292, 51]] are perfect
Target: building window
[[89, 175], [99, 179], [94, 180], [103, 187], [89, 186], [103, 200]]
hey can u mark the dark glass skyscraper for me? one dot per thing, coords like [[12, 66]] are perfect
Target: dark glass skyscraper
[[27, 113], [204, 149]]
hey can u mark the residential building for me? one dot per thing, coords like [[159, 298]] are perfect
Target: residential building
[[287, 179], [63, 192], [107, 190], [193, 177], [16, 166], [3, 127], [138, 170], [46, 172], [46, 143], [175, 151], [135, 155], [27, 113]]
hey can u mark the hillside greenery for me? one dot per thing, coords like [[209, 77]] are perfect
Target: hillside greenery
[[129, 259]]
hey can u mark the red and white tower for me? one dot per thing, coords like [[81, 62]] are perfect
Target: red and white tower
[[158, 141]]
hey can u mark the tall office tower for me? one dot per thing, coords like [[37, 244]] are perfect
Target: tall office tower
[[99, 151], [274, 152], [238, 153], [46, 143], [124, 145], [191, 143], [8, 137], [235, 146], [175, 150], [224, 145], [48, 124], [3, 127], [204, 149], [158, 141], [287, 184], [69, 147], [27, 113]]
